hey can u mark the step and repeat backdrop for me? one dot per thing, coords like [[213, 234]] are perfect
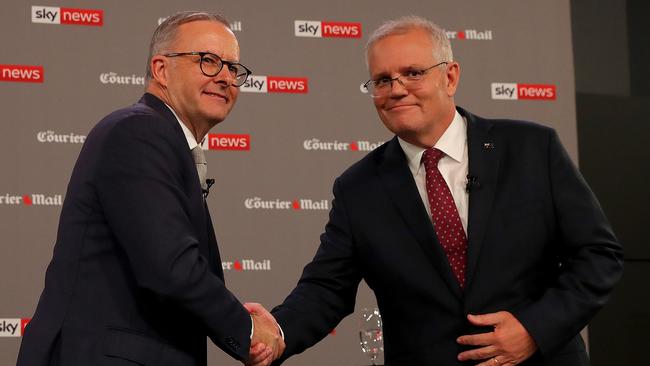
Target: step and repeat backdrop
[[300, 121]]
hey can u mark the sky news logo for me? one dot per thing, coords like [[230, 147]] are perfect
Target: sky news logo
[[226, 141], [34, 199], [257, 203], [275, 84], [21, 73], [470, 35], [516, 91], [72, 16], [321, 29], [247, 265], [13, 327]]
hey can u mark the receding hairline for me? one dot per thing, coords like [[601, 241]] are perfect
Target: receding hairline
[[403, 25], [167, 32]]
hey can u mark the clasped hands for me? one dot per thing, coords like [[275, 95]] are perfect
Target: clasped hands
[[267, 343]]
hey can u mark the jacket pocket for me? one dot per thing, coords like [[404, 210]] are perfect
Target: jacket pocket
[[128, 345]]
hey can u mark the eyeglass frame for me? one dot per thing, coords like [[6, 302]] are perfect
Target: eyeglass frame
[[397, 78], [223, 62]]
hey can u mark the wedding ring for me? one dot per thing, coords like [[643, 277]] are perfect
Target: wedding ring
[[496, 362]]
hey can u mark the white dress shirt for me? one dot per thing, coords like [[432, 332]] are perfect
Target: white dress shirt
[[453, 166], [189, 136]]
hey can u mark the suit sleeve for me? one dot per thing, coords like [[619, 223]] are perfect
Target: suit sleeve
[[326, 291], [139, 184], [590, 257]]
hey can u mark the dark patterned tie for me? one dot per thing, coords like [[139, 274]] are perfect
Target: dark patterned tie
[[444, 215]]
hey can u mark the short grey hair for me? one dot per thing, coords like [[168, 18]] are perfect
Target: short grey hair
[[441, 46], [166, 32]]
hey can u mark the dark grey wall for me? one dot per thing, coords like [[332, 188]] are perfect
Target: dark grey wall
[[613, 91]]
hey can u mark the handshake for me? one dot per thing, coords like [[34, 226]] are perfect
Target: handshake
[[267, 343]]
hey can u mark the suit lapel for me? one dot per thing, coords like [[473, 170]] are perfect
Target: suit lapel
[[398, 180], [484, 153], [200, 218]]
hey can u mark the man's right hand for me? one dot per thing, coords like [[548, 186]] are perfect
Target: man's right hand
[[266, 332]]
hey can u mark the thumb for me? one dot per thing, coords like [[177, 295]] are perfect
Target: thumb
[[490, 319], [253, 307]]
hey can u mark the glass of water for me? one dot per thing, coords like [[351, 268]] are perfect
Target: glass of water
[[371, 337]]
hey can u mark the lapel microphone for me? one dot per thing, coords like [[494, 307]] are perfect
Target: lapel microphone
[[472, 183], [209, 183]]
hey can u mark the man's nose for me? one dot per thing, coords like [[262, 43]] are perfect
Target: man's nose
[[224, 77], [397, 87]]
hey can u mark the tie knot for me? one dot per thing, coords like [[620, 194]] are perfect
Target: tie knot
[[431, 157], [198, 155]]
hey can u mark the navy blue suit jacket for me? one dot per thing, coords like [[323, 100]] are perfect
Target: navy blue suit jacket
[[539, 246], [135, 276]]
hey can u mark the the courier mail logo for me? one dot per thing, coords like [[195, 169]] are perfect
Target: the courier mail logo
[[275, 84], [321, 29], [57, 15], [12, 327], [517, 91]]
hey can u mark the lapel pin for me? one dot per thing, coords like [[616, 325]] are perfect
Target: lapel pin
[[488, 145]]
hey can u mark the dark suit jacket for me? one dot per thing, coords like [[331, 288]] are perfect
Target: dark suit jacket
[[539, 246], [136, 276]]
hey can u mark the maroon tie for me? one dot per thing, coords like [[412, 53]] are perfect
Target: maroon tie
[[444, 215]]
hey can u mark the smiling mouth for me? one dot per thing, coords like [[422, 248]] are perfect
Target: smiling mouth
[[216, 95], [401, 106]]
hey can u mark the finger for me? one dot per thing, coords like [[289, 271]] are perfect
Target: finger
[[482, 339], [265, 362], [482, 353], [489, 319], [258, 353], [253, 307], [494, 361]]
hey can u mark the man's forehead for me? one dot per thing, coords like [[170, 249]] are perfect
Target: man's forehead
[[208, 36], [399, 57]]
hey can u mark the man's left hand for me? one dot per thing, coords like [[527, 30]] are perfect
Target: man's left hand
[[509, 343]]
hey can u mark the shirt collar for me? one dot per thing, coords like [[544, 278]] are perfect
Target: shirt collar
[[452, 142], [191, 140]]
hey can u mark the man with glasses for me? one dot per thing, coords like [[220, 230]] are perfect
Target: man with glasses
[[136, 276], [480, 239]]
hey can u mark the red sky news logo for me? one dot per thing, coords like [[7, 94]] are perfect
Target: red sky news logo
[[58, 15], [516, 91], [470, 35], [257, 203], [34, 199], [247, 265], [275, 84], [21, 73], [225, 141], [13, 327], [322, 29]]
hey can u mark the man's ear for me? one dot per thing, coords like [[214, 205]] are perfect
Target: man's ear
[[159, 68], [453, 77]]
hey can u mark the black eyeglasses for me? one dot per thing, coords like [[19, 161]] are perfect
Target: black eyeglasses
[[212, 64], [410, 80]]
